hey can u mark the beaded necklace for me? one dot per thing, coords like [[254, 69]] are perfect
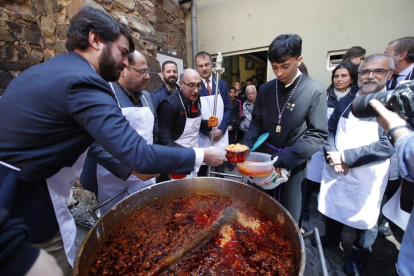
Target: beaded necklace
[[279, 128]]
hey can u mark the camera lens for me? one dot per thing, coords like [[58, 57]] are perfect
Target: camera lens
[[361, 107]]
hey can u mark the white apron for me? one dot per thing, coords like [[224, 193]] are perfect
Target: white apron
[[142, 120], [315, 164], [393, 211], [59, 186], [207, 102], [189, 137], [354, 199]]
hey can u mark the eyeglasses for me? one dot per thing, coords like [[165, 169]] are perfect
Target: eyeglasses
[[141, 71], [376, 72], [193, 86]]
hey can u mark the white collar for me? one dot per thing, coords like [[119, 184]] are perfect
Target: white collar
[[210, 80], [406, 71], [339, 95], [298, 73]]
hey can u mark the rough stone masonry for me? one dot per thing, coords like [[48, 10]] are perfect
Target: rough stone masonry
[[33, 31]]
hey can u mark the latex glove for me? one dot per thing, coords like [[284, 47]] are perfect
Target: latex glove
[[45, 265], [277, 177], [144, 177], [213, 157], [212, 121], [334, 158]]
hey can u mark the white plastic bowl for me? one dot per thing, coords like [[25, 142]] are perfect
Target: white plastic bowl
[[257, 164]]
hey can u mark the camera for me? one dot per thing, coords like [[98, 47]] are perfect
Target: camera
[[400, 101]]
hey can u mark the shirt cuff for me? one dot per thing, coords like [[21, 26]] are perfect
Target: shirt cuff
[[199, 158]]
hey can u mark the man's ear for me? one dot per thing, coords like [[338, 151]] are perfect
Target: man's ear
[[94, 41], [299, 61], [390, 74], [403, 55]]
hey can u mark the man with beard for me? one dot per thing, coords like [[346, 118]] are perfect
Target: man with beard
[[354, 181], [104, 174], [170, 75], [49, 115]]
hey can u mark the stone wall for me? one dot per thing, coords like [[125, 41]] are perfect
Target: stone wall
[[33, 31]]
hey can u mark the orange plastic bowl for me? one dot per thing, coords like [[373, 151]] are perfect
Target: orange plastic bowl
[[177, 175], [236, 157]]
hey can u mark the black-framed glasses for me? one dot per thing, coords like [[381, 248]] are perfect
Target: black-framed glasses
[[193, 86], [141, 71], [376, 72]]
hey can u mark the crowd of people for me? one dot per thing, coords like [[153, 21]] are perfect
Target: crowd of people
[[97, 121]]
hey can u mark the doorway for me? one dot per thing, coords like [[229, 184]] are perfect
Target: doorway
[[243, 65]]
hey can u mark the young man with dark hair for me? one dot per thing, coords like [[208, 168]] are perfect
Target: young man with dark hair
[[292, 108]]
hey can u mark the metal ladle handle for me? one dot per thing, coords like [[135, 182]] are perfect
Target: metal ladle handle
[[218, 70]]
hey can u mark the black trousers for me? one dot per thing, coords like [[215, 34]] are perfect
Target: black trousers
[[308, 188], [364, 240], [204, 168]]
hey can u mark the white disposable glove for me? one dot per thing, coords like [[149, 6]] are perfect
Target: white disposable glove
[[277, 177]]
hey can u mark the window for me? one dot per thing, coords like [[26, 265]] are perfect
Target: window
[[334, 58]]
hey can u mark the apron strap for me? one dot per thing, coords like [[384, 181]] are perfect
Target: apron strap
[[9, 166]]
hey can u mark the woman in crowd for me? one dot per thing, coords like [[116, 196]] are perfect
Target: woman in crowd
[[355, 55], [344, 82]]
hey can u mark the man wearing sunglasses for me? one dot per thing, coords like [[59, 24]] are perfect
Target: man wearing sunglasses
[[355, 175], [104, 174]]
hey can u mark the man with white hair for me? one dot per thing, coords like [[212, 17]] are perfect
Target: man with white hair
[[248, 106]]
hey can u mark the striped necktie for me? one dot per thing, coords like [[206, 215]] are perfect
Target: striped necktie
[[208, 86]]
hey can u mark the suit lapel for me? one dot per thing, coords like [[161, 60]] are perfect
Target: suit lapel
[[410, 76]]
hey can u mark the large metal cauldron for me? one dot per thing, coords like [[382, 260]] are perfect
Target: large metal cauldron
[[187, 187]]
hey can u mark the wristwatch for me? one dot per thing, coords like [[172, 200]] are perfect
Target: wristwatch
[[394, 129]]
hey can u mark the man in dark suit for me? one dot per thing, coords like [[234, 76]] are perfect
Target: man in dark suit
[[402, 51], [169, 71], [221, 140], [49, 115]]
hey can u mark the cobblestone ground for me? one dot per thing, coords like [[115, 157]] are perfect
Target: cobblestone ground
[[381, 262]]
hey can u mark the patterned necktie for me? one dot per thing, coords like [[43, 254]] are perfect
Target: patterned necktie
[[208, 86]]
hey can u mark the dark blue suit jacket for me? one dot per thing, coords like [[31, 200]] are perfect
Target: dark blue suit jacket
[[49, 115], [224, 93], [98, 155], [53, 111]]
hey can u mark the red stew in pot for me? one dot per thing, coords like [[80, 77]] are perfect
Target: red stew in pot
[[250, 245]]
